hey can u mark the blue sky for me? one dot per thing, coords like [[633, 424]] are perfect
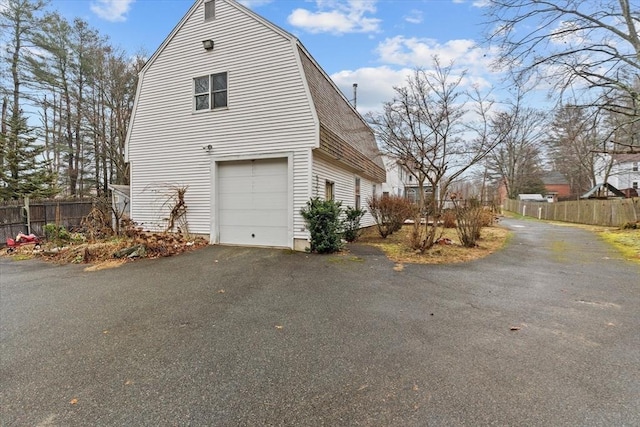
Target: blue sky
[[372, 43]]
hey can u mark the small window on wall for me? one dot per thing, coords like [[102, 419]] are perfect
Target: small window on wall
[[635, 167], [635, 185], [209, 10], [328, 190], [357, 204], [373, 190], [210, 91]]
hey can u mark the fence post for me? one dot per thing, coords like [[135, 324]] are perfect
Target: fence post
[[27, 214]]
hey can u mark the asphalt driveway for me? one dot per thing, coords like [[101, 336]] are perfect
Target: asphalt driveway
[[545, 332]]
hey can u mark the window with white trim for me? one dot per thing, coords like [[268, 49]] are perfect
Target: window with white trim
[[635, 185], [635, 167], [210, 91], [357, 193]]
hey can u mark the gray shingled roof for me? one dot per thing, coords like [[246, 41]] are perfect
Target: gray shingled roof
[[344, 135]]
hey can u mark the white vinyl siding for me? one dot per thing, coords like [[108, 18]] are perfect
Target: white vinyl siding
[[344, 186], [167, 136]]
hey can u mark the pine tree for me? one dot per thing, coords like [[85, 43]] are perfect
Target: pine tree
[[21, 171]]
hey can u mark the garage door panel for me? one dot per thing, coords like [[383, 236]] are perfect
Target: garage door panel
[[236, 217], [235, 169], [255, 236], [238, 184], [270, 201], [253, 202], [268, 184], [268, 167]]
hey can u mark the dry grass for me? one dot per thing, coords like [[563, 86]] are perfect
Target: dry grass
[[397, 249]]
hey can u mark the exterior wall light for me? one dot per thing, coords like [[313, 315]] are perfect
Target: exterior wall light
[[207, 44]]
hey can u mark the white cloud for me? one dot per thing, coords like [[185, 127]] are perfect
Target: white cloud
[[414, 17], [375, 85], [112, 10], [254, 3], [568, 33], [419, 52], [481, 3], [401, 55], [337, 17]]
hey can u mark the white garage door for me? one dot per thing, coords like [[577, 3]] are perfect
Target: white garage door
[[252, 202]]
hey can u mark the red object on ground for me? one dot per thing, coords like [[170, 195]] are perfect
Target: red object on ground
[[22, 239]]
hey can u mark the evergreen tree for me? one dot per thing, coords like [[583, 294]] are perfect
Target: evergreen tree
[[21, 172]]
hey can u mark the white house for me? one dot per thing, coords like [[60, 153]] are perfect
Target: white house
[[236, 110], [624, 173], [397, 176], [400, 181]]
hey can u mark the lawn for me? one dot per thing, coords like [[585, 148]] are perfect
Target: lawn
[[397, 249]]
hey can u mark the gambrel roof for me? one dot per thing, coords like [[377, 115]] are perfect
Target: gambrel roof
[[343, 135]]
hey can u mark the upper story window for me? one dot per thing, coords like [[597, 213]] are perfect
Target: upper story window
[[634, 167], [209, 10], [210, 91]]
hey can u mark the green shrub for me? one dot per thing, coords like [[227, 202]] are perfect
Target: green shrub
[[390, 213], [56, 233], [351, 223], [323, 221]]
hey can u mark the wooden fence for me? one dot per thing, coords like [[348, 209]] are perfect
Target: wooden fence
[[30, 217], [609, 213]]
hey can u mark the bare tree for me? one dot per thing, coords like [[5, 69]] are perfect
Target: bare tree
[[426, 130], [573, 139], [516, 161], [576, 46]]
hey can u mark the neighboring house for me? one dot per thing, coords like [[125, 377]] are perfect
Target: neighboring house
[[397, 176], [556, 185], [625, 171], [234, 109], [400, 182]]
